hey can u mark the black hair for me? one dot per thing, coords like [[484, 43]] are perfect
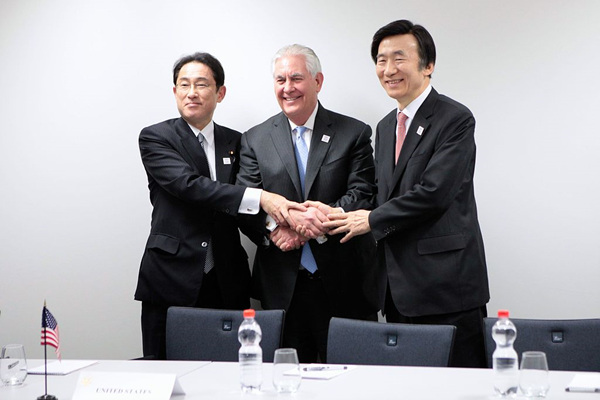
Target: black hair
[[204, 58], [403, 27]]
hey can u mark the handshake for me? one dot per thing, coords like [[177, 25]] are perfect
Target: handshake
[[296, 222]]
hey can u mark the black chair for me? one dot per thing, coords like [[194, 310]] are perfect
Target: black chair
[[570, 345], [374, 343], [212, 335]]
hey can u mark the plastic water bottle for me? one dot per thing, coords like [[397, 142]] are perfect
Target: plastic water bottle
[[250, 354], [505, 358]]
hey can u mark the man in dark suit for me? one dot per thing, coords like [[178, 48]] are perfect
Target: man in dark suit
[[425, 222], [193, 256], [310, 153]]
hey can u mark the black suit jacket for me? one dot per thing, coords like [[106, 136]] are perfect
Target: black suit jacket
[[189, 209], [340, 172], [426, 220]]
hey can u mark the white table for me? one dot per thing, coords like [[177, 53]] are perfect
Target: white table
[[220, 381]]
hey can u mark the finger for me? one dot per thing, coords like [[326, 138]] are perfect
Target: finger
[[274, 236], [316, 225], [312, 203], [292, 205], [310, 231], [287, 205], [277, 217], [347, 237], [291, 222], [279, 243], [304, 231], [284, 213], [337, 216], [338, 230], [334, 224], [313, 233], [321, 217]]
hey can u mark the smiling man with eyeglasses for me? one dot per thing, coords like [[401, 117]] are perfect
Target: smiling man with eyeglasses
[[193, 256]]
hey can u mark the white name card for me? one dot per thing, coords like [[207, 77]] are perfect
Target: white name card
[[95, 385]]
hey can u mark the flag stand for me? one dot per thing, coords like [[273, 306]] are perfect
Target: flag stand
[[45, 396]]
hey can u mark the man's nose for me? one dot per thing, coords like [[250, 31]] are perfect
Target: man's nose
[[288, 86], [192, 92], [390, 68]]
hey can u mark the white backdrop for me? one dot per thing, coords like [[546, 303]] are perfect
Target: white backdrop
[[80, 79]]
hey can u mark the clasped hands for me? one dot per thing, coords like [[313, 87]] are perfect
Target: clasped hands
[[300, 222]]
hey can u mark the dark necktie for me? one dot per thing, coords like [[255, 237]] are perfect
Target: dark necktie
[[209, 263]]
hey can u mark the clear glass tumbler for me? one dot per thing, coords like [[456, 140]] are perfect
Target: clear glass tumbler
[[13, 365], [286, 371], [533, 377]]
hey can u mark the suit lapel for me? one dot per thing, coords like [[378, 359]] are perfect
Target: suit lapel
[[281, 136], [192, 146], [322, 136], [385, 156], [224, 154], [418, 128]]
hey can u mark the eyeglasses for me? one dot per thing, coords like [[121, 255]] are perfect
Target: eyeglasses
[[184, 87]]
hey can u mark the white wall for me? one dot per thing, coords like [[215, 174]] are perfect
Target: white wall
[[79, 79]]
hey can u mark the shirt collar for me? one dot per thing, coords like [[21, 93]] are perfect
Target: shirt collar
[[208, 132], [411, 110], [310, 122]]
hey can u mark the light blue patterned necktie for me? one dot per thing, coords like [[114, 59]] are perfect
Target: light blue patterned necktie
[[307, 260]]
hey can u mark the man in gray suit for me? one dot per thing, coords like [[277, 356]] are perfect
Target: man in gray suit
[[425, 223], [309, 153]]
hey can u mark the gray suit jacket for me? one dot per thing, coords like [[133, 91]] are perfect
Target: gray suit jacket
[[340, 172], [426, 222]]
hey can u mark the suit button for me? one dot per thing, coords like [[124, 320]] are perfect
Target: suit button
[[204, 244]]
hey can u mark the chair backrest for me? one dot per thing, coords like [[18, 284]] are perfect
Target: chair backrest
[[212, 335], [374, 343], [570, 345]]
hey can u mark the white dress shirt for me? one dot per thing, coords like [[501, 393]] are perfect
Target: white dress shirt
[[251, 200], [411, 110], [309, 125]]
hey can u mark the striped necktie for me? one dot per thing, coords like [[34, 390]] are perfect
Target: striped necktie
[[209, 263]]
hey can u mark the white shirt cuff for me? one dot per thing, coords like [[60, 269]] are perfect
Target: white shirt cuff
[[250, 201], [270, 223]]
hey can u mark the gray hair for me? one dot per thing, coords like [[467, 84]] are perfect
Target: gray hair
[[313, 65]]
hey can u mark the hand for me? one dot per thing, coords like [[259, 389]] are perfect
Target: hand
[[309, 223], [278, 208], [324, 208], [352, 223], [287, 239]]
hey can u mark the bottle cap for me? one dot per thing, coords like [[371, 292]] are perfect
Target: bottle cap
[[249, 313], [503, 313]]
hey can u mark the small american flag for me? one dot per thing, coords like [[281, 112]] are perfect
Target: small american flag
[[50, 331]]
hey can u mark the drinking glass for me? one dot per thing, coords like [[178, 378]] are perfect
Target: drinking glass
[[533, 379], [13, 365], [286, 371]]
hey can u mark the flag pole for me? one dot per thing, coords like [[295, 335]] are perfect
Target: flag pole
[[45, 363], [45, 396]]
